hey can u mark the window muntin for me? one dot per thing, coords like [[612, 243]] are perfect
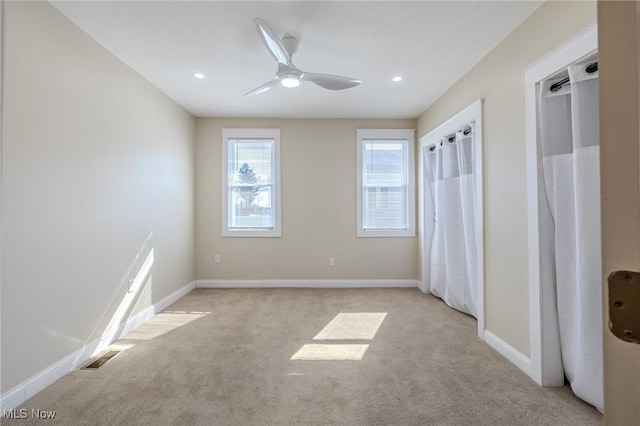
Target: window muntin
[[251, 182]]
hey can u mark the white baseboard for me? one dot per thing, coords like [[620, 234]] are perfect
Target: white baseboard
[[305, 283], [423, 288], [26, 390], [163, 304], [134, 321], [109, 336], [50, 374], [509, 352], [12, 398]]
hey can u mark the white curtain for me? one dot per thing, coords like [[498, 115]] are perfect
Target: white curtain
[[449, 167], [571, 225]]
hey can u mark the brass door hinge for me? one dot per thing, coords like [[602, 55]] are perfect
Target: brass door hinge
[[624, 305]]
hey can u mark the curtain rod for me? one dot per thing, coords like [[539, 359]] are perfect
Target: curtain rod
[[464, 132], [452, 138], [590, 69]]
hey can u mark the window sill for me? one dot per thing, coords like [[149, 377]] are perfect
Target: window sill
[[385, 234], [252, 234]]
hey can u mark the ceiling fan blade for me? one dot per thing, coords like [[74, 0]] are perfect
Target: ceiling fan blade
[[272, 41], [263, 88], [331, 82]]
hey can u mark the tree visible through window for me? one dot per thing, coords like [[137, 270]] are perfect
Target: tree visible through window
[[247, 193]]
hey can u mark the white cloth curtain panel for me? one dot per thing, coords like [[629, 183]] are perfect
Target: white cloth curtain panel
[[449, 166], [571, 225]]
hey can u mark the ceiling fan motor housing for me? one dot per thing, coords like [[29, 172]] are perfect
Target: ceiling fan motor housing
[[290, 43]]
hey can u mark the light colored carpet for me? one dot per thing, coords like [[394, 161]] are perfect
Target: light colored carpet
[[228, 362]]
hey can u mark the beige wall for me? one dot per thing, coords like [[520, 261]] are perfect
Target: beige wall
[[499, 79], [94, 158], [318, 159]]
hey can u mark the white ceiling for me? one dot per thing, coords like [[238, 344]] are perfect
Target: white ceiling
[[430, 43]]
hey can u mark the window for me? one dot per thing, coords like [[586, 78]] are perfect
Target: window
[[386, 195], [251, 182]]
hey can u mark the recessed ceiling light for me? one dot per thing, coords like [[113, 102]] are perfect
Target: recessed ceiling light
[[397, 78], [198, 75]]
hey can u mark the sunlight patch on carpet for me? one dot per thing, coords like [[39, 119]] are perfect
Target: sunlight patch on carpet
[[352, 326], [162, 323], [330, 353]]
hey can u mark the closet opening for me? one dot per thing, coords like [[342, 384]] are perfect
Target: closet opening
[[563, 159], [451, 213]]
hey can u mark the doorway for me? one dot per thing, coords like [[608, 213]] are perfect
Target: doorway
[[451, 213], [559, 157]]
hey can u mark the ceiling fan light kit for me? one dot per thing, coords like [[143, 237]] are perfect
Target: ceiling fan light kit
[[288, 74], [290, 81]]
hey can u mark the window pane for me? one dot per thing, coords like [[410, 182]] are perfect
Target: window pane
[[250, 184], [257, 154], [384, 184], [384, 162], [385, 207]]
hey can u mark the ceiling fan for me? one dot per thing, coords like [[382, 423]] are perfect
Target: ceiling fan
[[288, 74]]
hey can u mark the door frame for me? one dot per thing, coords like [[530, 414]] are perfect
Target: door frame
[[580, 46], [619, 57], [472, 113]]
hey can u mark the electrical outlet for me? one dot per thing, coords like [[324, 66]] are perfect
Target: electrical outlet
[[216, 258], [332, 261]]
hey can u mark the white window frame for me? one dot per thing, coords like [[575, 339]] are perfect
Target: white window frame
[[234, 134], [407, 135]]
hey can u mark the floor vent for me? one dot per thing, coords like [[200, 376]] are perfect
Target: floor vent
[[100, 361]]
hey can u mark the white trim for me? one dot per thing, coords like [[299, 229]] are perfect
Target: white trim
[[407, 135], [119, 330], [52, 373], [163, 304], [453, 124], [533, 183], [579, 46], [479, 190], [243, 133], [472, 113], [509, 352], [2, 110], [306, 283], [424, 245], [30, 387], [12, 398]]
